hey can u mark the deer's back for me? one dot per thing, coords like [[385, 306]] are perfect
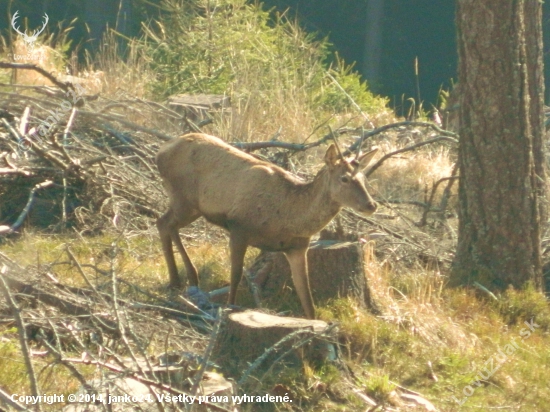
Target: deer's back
[[222, 183]]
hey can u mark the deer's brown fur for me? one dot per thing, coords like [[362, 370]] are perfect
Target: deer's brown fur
[[260, 204]]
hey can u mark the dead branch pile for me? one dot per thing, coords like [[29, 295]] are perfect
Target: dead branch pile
[[146, 348], [70, 159], [146, 352], [71, 326], [93, 164]]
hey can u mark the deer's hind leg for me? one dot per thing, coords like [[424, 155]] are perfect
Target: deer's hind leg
[[168, 226], [237, 247]]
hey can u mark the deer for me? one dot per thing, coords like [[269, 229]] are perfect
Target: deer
[[258, 203]]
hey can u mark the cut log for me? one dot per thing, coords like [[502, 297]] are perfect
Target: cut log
[[200, 101], [196, 107], [336, 269], [253, 337]]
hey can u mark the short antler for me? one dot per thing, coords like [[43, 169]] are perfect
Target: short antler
[[336, 143], [355, 160], [360, 143]]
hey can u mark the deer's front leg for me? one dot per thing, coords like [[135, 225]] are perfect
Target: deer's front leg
[[298, 266]]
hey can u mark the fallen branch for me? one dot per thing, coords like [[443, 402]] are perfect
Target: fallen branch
[[64, 305], [408, 149], [28, 206], [22, 338], [62, 85], [132, 375], [401, 236], [296, 147], [12, 131], [300, 147], [381, 129], [6, 398]]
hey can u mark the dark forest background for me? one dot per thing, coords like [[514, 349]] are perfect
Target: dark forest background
[[383, 37]]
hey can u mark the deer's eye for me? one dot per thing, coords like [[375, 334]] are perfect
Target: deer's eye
[[344, 179]]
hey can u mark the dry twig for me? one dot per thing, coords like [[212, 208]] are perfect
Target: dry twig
[[22, 339]]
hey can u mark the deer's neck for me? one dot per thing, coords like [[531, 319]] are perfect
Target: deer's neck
[[317, 207]]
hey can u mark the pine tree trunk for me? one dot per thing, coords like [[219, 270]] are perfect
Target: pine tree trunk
[[502, 177]]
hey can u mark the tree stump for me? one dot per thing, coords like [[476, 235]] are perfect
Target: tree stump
[[336, 269], [249, 335]]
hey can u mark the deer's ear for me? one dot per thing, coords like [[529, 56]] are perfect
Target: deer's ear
[[364, 160], [332, 156]]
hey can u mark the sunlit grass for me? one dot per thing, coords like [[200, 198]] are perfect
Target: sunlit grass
[[454, 330], [428, 338], [52, 378]]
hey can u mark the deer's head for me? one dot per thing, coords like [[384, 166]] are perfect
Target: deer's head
[[347, 181]]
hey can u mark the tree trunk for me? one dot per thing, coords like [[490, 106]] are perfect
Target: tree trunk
[[502, 177]]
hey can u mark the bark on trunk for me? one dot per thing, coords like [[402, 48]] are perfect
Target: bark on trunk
[[502, 177]]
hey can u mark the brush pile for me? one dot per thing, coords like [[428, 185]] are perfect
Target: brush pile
[[68, 159], [116, 335], [73, 160], [83, 160]]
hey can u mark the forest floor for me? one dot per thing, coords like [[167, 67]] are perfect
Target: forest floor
[[84, 275]]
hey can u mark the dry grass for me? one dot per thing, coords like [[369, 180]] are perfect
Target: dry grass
[[424, 330], [122, 77], [428, 338], [410, 176], [437, 341], [255, 119]]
